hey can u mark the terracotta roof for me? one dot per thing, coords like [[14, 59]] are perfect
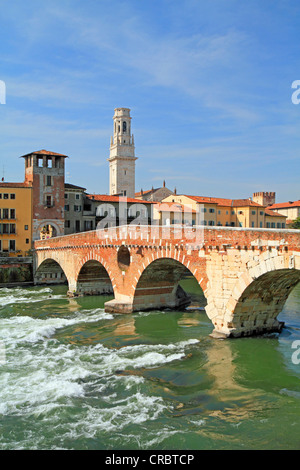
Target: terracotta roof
[[210, 200], [270, 213], [224, 202], [245, 202], [45, 152], [148, 191], [107, 198], [14, 185], [285, 205]]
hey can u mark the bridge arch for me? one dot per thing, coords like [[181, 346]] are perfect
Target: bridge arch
[[93, 277], [50, 271], [158, 285], [256, 302]]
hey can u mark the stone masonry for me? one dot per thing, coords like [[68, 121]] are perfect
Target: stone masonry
[[246, 274]]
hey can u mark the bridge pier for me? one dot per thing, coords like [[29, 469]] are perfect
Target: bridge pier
[[153, 298]]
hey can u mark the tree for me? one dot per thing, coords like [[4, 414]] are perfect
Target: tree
[[296, 223]]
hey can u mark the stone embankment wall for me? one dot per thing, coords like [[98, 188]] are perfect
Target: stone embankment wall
[[16, 272]]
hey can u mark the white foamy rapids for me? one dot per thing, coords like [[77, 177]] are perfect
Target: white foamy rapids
[[48, 377], [18, 295], [24, 329]]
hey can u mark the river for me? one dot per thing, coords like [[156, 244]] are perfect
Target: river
[[75, 377]]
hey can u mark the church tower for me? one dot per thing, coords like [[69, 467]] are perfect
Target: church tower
[[122, 156]]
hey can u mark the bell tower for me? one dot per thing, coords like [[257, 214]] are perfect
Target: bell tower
[[122, 156]]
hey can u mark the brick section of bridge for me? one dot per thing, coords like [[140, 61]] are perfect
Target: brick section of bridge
[[246, 274]]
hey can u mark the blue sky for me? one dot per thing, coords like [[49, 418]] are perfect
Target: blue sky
[[208, 84]]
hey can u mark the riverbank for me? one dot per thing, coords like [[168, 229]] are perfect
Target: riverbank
[[16, 272]]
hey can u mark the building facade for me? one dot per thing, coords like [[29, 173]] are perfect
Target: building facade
[[211, 211], [16, 219], [289, 209], [74, 208]]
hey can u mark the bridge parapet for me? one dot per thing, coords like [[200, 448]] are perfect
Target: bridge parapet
[[189, 237]]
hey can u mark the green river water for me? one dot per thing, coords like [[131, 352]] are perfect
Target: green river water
[[75, 377]]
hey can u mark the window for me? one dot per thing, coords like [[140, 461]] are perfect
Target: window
[[5, 196], [77, 196], [66, 196], [260, 224], [25, 227], [77, 225], [0, 195], [67, 207], [278, 225], [49, 162], [40, 162], [4, 213], [261, 213], [240, 212], [12, 213], [77, 208], [124, 126], [211, 211], [268, 224], [283, 225], [12, 245], [253, 212], [67, 224], [88, 225], [211, 222], [49, 181], [48, 201], [12, 228], [252, 224], [12, 196], [5, 228], [273, 225], [27, 241]]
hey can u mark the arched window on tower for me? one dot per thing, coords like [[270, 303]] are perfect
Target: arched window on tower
[[124, 126]]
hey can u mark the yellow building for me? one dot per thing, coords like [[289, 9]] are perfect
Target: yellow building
[[211, 211], [16, 219]]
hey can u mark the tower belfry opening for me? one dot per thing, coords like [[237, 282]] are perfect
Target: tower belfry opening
[[122, 156]]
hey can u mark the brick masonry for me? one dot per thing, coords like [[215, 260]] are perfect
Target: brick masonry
[[246, 274]]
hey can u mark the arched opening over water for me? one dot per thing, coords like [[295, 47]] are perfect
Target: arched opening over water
[[93, 279], [167, 283], [50, 272], [261, 303]]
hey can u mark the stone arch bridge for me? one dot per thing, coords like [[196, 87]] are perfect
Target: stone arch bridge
[[246, 274]]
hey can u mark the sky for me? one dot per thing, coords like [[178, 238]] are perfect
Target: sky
[[209, 85]]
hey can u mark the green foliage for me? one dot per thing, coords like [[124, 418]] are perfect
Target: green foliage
[[296, 223]]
